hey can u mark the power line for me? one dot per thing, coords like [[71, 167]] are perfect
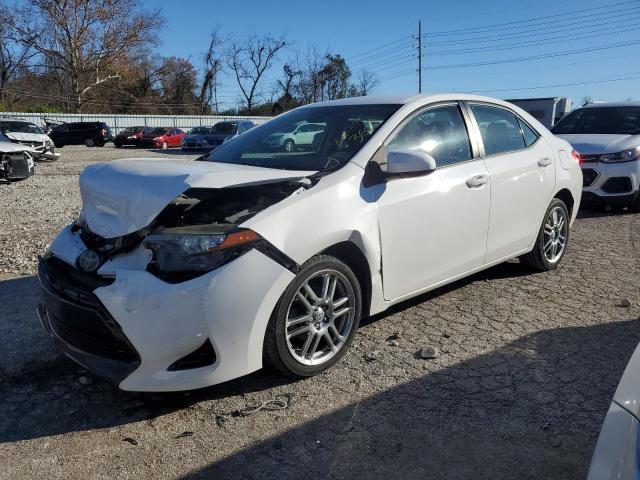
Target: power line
[[389, 53], [380, 47], [534, 57], [398, 74], [386, 64], [549, 41], [613, 20], [636, 75], [510, 25]]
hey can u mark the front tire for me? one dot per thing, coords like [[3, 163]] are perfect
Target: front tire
[[164, 145], [552, 240], [289, 145], [315, 320]]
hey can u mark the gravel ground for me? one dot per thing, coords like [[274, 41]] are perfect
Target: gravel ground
[[529, 364]]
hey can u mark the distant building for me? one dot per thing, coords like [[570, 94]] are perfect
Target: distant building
[[546, 110]]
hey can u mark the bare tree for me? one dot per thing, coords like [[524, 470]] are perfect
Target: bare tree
[[365, 83], [178, 79], [211, 67], [249, 60], [88, 41], [13, 54], [586, 99], [308, 88]]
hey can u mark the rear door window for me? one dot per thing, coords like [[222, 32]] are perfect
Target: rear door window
[[530, 135], [499, 128]]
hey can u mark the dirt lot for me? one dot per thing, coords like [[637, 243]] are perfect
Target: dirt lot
[[530, 363]]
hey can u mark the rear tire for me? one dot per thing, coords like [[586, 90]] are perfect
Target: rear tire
[[90, 142], [304, 322], [553, 238]]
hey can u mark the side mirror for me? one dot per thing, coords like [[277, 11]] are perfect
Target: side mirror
[[409, 163], [400, 163]]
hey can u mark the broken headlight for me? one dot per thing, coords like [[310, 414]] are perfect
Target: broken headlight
[[194, 250]]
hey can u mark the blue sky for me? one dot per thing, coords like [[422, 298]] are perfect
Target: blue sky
[[376, 35]]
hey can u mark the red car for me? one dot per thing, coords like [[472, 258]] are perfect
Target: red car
[[162, 137], [129, 136]]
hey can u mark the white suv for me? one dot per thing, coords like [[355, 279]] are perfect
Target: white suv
[[303, 135], [606, 140], [179, 275]]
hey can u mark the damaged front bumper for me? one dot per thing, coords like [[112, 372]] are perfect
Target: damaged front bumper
[[159, 324]]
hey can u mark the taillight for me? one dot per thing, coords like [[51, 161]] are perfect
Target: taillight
[[577, 156], [103, 132]]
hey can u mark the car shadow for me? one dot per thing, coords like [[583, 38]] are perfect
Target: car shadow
[[510, 269], [603, 211], [530, 409]]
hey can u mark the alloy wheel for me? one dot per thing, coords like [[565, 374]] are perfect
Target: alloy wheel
[[555, 235], [320, 317]]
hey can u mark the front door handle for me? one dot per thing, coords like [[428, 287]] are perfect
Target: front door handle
[[477, 181], [544, 162]]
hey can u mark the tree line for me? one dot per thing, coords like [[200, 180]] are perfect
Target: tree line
[[101, 56]]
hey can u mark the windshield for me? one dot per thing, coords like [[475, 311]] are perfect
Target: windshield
[[159, 131], [200, 131], [312, 138], [603, 120], [19, 127]]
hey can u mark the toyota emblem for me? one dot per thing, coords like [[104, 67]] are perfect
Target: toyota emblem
[[89, 261]]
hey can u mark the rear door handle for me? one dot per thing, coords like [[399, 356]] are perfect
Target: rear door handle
[[477, 181], [544, 162]]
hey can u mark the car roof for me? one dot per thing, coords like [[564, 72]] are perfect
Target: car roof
[[420, 98], [611, 104]]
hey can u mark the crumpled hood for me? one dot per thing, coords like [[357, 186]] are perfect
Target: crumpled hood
[[9, 147], [601, 143], [27, 137], [124, 196]]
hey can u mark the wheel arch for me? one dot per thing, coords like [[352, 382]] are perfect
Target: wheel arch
[[566, 196], [350, 254]]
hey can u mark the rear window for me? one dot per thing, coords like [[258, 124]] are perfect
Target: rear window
[[132, 130], [224, 127], [200, 131], [601, 120]]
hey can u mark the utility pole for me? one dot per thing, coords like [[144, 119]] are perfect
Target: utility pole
[[419, 56]]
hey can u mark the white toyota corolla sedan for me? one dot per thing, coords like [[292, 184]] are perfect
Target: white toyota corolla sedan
[[179, 275]]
